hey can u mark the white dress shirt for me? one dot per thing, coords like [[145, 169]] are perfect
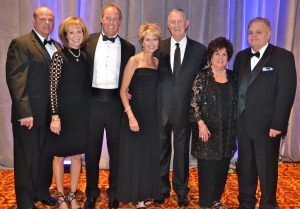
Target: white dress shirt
[[254, 60], [51, 49], [107, 62], [182, 46]]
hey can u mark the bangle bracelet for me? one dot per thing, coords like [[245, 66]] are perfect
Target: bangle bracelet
[[127, 108]]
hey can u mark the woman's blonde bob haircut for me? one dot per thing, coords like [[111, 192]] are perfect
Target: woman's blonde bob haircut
[[149, 28], [68, 22]]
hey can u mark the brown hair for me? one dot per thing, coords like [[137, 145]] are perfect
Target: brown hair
[[217, 44], [114, 6], [72, 21], [150, 28]]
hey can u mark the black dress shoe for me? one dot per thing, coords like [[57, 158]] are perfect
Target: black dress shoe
[[113, 203], [50, 201], [183, 201], [162, 200], [90, 203]]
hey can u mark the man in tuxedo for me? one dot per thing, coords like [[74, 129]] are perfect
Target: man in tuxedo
[[107, 56], [267, 85], [180, 59], [27, 76]]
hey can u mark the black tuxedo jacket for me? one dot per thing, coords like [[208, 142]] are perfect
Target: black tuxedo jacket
[[127, 50], [27, 77], [174, 93], [266, 94]]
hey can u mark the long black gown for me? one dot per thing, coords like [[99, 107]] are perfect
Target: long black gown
[[69, 86], [138, 172]]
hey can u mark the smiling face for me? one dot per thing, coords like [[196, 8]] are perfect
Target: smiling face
[[43, 21], [74, 36], [150, 42], [177, 24], [219, 59], [111, 21], [258, 35]]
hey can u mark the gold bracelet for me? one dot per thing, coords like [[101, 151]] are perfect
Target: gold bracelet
[[127, 108]]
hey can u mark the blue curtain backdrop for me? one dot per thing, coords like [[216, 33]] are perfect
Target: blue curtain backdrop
[[208, 20]]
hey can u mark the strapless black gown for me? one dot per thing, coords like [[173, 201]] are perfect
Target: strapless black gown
[[138, 173]]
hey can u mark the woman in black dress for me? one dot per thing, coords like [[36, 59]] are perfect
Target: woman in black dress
[[68, 87], [214, 109], [138, 172]]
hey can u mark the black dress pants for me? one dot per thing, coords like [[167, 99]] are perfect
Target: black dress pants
[[180, 161], [212, 176], [257, 158], [27, 153], [103, 115]]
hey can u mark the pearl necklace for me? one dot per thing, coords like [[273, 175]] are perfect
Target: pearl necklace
[[76, 56]]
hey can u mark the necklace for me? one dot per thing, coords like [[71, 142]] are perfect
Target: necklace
[[76, 56]]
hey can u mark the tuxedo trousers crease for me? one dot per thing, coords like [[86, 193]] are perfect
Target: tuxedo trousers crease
[[26, 162], [257, 159], [104, 115], [180, 161]]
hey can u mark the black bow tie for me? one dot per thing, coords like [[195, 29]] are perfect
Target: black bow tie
[[48, 42], [256, 54], [105, 38]]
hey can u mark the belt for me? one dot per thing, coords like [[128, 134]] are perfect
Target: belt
[[105, 94]]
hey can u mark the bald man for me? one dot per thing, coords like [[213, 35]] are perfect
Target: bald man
[[27, 76]]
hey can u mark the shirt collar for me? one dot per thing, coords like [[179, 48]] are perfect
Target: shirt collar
[[262, 50], [182, 42], [102, 33], [41, 37]]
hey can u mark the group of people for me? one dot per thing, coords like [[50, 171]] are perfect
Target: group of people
[[63, 98]]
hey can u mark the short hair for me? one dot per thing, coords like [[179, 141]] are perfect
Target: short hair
[[111, 5], [72, 21], [35, 14], [150, 28], [217, 44], [178, 10], [260, 19]]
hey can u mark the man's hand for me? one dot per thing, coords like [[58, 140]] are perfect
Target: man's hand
[[28, 122], [274, 133]]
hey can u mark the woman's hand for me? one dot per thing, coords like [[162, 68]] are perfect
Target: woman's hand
[[55, 125], [133, 124], [204, 133]]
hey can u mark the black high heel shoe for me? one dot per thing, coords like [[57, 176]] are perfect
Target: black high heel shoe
[[71, 197], [61, 199]]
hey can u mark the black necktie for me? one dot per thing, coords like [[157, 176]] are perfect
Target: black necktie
[[177, 60], [105, 38], [256, 54], [48, 42]]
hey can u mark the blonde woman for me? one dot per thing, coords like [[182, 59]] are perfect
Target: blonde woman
[[139, 157]]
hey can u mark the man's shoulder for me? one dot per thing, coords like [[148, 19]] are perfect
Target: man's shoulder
[[280, 50], [195, 43], [24, 38], [93, 36], [243, 52], [125, 42]]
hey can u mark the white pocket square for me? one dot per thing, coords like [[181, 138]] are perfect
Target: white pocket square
[[265, 69]]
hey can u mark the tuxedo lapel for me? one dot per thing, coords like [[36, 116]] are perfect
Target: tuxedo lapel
[[262, 62], [41, 49], [187, 54], [92, 48]]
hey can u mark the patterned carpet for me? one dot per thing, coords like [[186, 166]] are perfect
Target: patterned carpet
[[288, 190]]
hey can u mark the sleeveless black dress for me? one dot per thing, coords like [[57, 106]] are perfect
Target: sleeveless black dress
[[138, 172], [69, 86]]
